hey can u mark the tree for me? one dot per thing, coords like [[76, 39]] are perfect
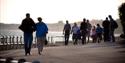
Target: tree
[[121, 10]]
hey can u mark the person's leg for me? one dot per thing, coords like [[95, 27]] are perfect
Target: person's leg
[[112, 36], [30, 42], [38, 44], [65, 39], [26, 43], [42, 43]]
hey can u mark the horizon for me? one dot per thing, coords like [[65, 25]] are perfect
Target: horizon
[[13, 11]]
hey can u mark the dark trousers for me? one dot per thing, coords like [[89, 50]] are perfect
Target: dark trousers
[[99, 37], [106, 35], [66, 39], [28, 38], [75, 38], [112, 37], [83, 37]]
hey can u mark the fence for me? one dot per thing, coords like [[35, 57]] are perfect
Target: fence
[[16, 42], [12, 42]]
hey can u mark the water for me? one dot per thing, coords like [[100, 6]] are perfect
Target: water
[[51, 34]]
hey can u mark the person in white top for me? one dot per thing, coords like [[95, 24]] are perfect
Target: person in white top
[[74, 31]]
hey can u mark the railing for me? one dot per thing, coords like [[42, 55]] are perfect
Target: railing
[[17, 42], [13, 42]]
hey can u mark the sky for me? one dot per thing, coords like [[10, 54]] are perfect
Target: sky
[[52, 11]]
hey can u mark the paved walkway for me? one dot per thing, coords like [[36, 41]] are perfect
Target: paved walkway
[[89, 53]]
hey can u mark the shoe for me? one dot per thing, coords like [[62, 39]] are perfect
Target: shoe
[[39, 53], [25, 54]]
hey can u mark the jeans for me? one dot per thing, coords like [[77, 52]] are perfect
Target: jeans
[[66, 39], [28, 38]]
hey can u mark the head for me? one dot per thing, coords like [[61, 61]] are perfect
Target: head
[[39, 19], [75, 24], [21, 60], [87, 21], [98, 25], [84, 19], [110, 16], [67, 22], [106, 18], [27, 15]]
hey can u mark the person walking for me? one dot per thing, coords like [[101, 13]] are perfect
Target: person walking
[[89, 26], [74, 31], [83, 29], [66, 32], [41, 31], [28, 27], [99, 32], [113, 26], [93, 34], [106, 27]]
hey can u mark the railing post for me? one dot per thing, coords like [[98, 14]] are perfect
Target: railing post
[[13, 41], [21, 42], [17, 42], [6, 43], [9, 42]]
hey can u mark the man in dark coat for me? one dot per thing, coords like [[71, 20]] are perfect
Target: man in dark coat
[[28, 27]]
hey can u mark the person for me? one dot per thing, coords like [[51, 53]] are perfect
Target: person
[[113, 26], [75, 30], [28, 27], [21, 60], [83, 29], [41, 31], [99, 32], [93, 34], [89, 26], [106, 25], [66, 32]]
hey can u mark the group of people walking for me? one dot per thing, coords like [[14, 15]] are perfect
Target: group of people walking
[[85, 30]]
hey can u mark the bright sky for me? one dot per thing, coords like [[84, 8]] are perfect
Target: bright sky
[[52, 11]]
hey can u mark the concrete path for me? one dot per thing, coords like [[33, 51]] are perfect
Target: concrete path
[[89, 53]]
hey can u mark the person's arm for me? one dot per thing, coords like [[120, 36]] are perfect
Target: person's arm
[[64, 29]]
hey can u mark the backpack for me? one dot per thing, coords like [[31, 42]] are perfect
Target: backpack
[[115, 24]]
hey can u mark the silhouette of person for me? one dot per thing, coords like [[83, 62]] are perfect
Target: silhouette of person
[[113, 26], [93, 34], [41, 31], [28, 27], [66, 32], [9, 60], [106, 25], [75, 30], [21, 60], [99, 32], [83, 29], [89, 26]]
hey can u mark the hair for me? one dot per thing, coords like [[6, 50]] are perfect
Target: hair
[[39, 19], [21, 60]]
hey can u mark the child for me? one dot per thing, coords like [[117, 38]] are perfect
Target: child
[[99, 32], [93, 34]]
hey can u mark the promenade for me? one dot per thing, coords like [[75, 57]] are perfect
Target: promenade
[[88, 53]]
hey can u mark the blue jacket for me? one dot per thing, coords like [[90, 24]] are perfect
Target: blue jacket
[[41, 29], [99, 30]]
